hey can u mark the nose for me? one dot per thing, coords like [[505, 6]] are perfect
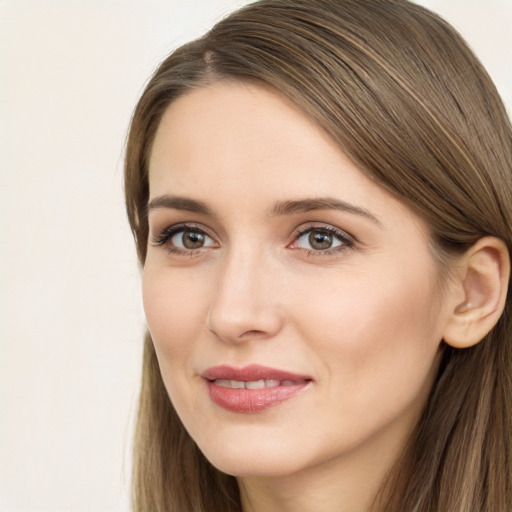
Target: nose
[[245, 305]]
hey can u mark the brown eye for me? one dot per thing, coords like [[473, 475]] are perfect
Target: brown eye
[[190, 240], [320, 240]]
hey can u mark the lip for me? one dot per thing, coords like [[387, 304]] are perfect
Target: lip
[[252, 400]]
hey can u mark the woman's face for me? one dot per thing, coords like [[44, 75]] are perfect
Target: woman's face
[[293, 303]]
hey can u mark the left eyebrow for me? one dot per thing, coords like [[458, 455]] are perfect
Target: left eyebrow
[[179, 203], [320, 203]]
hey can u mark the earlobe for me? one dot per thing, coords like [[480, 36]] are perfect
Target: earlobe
[[483, 282]]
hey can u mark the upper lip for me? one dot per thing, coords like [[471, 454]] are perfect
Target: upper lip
[[250, 373]]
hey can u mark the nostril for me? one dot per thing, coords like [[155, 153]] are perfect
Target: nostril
[[249, 335], [255, 335]]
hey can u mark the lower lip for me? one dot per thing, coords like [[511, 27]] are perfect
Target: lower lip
[[249, 401]]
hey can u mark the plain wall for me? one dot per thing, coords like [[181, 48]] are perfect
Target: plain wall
[[71, 315]]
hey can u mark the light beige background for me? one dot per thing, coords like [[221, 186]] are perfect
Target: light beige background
[[71, 316]]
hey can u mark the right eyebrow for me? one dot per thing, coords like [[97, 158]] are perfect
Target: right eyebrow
[[179, 203]]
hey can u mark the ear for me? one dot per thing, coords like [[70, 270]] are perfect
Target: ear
[[481, 286]]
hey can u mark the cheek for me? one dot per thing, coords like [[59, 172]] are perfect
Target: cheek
[[350, 307], [379, 352], [376, 338], [174, 308]]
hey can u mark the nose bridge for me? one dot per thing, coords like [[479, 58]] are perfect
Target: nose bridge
[[243, 306]]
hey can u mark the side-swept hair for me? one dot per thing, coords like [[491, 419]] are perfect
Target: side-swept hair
[[400, 92]]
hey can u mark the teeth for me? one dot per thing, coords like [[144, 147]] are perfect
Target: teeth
[[253, 384], [224, 383]]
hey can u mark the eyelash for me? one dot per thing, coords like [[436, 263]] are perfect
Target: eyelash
[[165, 236], [346, 240]]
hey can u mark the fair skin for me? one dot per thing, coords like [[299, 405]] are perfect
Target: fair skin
[[342, 291]]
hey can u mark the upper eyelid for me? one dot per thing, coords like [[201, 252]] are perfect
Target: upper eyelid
[[183, 226], [161, 223], [163, 235], [302, 230]]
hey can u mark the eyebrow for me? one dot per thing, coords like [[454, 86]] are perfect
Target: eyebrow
[[320, 203], [179, 203], [280, 208]]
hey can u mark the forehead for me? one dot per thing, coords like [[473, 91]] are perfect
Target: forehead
[[222, 116], [245, 135], [242, 148]]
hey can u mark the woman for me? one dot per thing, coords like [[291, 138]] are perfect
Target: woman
[[321, 197]]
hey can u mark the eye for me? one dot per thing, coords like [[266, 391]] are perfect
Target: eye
[[322, 239], [187, 239], [183, 238]]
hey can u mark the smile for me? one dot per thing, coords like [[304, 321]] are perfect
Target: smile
[[252, 389], [254, 384]]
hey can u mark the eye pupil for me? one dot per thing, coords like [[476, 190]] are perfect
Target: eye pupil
[[320, 240], [193, 240]]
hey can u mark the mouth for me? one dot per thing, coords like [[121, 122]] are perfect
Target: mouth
[[253, 388], [256, 384]]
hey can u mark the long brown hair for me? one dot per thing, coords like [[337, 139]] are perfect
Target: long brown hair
[[400, 92]]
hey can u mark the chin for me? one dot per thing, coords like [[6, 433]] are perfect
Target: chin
[[253, 460], [254, 468]]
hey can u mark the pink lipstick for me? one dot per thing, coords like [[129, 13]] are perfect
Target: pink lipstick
[[253, 388]]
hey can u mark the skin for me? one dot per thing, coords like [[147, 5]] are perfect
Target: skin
[[364, 319]]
